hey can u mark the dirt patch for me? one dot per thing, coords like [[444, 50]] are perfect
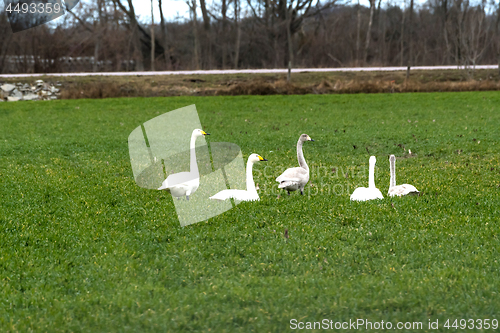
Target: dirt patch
[[274, 84]]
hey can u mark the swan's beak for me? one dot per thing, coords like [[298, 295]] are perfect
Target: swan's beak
[[205, 133], [311, 140], [261, 159]]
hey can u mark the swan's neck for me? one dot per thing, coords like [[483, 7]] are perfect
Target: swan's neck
[[300, 155], [250, 183], [371, 176], [192, 148], [393, 174]]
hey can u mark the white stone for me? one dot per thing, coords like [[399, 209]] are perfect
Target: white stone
[[30, 97], [12, 99], [16, 93], [8, 87]]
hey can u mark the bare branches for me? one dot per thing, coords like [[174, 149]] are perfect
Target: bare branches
[[262, 33], [82, 22], [369, 30], [135, 38], [474, 34]]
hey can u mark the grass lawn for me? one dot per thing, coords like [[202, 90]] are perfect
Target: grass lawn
[[84, 249]]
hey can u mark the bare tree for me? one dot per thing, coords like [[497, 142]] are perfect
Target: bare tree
[[224, 32], [6, 39], [473, 36], [289, 39], [369, 30], [299, 11], [95, 28], [152, 38], [380, 30], [100, 34], [445, 10], [402, 35], [221, 37], [193, 7], [98, 27], [238, 32], [358, 33], [410, 41], [164, 38], [134, 27], [207, 33], [497, 33]]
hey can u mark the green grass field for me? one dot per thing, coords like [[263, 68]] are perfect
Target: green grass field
[[84, 249]]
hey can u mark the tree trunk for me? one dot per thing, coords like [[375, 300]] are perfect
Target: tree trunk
[[446, 56], [194, 19], [460, 33], [95, 66], [358, 33], [402, 35], [274, 29], [164, 38], [238, 32], [380, 33], [289, 36], [410, 38], [136, 38], [97, 30], [3, 51], [444, 22], [207, 30], [497, 30], [204, 12], [368, 32], [383, 52], [224, 33], [152, 38], [139, 58], [498, 59]]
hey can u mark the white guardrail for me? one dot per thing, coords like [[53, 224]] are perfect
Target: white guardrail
[[249, 71]]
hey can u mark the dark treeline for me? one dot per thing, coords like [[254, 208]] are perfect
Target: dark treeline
[[105, 35]]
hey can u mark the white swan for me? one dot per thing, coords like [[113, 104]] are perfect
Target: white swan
[[399, 190], [185, 183], [250, 194], [370, 192], [296, 178]]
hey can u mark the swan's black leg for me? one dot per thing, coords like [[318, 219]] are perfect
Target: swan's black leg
[[301, 193], [187, 197], [288, 192]]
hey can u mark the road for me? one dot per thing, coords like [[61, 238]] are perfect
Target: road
[[248, 71]]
